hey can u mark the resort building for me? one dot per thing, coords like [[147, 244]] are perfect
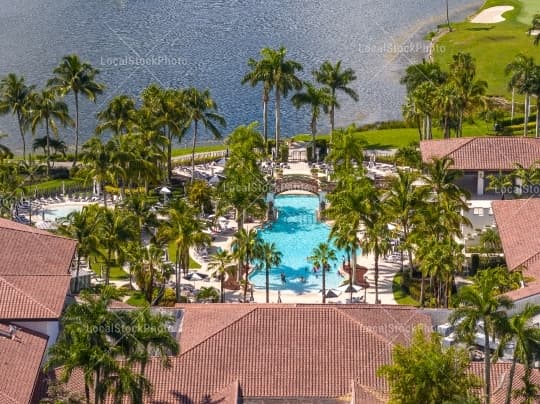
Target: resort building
[[34, 284], [477, 158], [234, 353], [260, 354], [518, 222]]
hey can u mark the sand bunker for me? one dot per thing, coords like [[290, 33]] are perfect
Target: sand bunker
[[491, 15]]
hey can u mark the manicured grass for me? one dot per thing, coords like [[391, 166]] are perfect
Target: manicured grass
[[172, 257], [396, 138], [400, 295], [198, 149], [116, 272], [492, 45], [51, 185], [137, 299], [529, 9]]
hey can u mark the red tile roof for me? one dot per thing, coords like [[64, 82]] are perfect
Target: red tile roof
[[518, 222], [500, 376], [34, 272], [29, 251], [483, 153], [306, 351], [20, 360]]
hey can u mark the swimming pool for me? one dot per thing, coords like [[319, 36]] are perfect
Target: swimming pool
[[56, 211], [296, 233]]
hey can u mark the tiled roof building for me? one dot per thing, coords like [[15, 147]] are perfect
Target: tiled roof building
[[34, 281]]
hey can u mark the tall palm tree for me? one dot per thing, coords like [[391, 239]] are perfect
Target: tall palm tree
[[448, 104], [521, 69], [470, 91], [221, 265], [534, 88], [336, 79], [261, 73], [282, 74], [84, 227], [478, 303], [321, 256], [184, 230], [316, 99], [526, 338], [270, 256], [98, 161], [202, 108], [535, 26], [14, 98], [347, 150], [246, 246], [440, 179], [403, 202], [117, 228], [73, 75], [47, 110], [376, 237], [118, 116]]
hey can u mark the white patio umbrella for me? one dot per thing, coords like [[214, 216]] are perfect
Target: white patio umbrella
[[165, 191]]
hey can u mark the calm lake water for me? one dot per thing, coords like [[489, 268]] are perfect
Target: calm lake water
[[207, 43]]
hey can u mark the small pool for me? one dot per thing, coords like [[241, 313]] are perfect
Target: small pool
[[296, 233], [56, 211]]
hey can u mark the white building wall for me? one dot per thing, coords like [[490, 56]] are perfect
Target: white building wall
[[49, 328]]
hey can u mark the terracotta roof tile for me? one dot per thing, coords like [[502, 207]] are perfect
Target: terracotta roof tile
[[34, 272], [518, 222], [29, 251], [20, 361], [483, 153], [33, 297]]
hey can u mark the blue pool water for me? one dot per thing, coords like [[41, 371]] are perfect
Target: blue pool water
[[296, 233]]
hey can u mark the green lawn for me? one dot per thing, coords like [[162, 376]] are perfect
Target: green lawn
[[400, 295], [492, 45], [172, 255], [396, 138], [116, 272], [198, 149], [51, 185], [137, 299]]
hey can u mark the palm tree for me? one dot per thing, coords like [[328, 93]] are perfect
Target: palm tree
[[282, 76], [526, 338], [269, 255], [535, 26], [534, 88], [500, 183], [46, 109], [14, 98], [202, 108], [208, 294], [97, 163], [448, 104], [78, 77], [261, 73], [118, 116], [440, 180], [336, 79], [470, 91], [478, 303], [246, 246], [347, 150], [521, 69], [5, 152], [117, 228], [220, 264], [376, 237], [84, 227], [184, 230], [316, 99], [320, 257], [403, 202]]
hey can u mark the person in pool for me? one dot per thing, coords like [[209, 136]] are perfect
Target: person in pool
[[283, 278]]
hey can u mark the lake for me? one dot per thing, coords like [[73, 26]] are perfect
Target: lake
[[207, 43]]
